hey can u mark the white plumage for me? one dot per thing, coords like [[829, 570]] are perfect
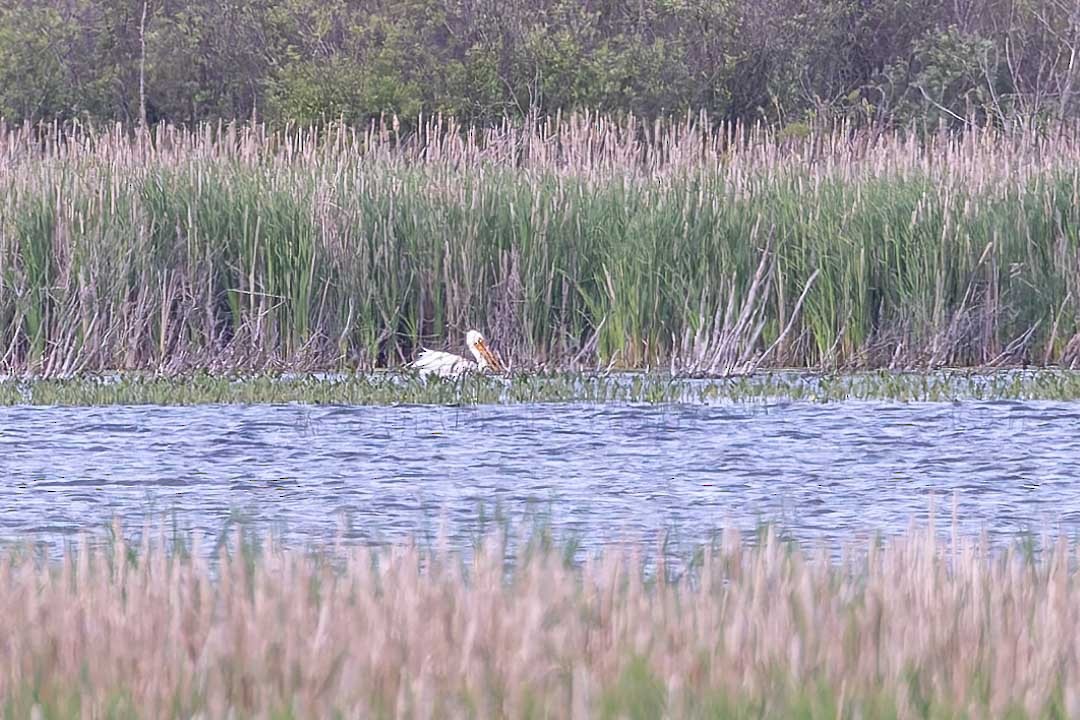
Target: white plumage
[[444, 364]]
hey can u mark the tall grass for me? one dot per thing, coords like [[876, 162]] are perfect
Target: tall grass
[[910, 628], [574, 242]]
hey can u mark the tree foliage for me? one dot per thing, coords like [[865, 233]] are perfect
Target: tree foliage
[[889, 62]]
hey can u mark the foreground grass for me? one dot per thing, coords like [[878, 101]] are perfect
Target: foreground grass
[[570, 244], [390, 389], [911, 628]]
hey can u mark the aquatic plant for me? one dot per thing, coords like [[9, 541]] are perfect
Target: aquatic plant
[[908, 627], [575, 243], [654, 388]]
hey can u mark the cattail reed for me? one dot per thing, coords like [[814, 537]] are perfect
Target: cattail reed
[[572, 242], [912, 627]]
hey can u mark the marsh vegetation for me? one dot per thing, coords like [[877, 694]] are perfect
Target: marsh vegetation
[[912, 627], [573, 243], [650, 388], [638, 203]]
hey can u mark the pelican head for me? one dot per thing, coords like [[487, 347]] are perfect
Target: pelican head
[[485, 359]]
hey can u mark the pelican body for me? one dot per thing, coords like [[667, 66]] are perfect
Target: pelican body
[[444, 364]]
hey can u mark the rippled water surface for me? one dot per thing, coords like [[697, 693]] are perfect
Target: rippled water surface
[[601, 472]]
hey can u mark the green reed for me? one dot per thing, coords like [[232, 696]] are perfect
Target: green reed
[[571, 245]]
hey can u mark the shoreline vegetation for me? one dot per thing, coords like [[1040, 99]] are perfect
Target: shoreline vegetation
[[911, 626], [573, 242], [386, 388]]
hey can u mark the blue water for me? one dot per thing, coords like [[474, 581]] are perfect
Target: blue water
[[597, 472]]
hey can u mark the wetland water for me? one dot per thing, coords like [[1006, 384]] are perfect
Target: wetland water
[[835, 471]]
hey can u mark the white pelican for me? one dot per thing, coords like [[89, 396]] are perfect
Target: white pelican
[[444, 364]]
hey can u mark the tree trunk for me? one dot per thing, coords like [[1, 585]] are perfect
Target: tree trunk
[[142, 67]]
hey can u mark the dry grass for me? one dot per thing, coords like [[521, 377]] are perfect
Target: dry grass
[[575, 243], [913, 628]]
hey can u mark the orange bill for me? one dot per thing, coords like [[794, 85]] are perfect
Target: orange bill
[[489, 357]]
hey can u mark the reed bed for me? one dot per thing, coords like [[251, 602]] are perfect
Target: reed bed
[[574, 242], [912, 627], [651, 388]]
